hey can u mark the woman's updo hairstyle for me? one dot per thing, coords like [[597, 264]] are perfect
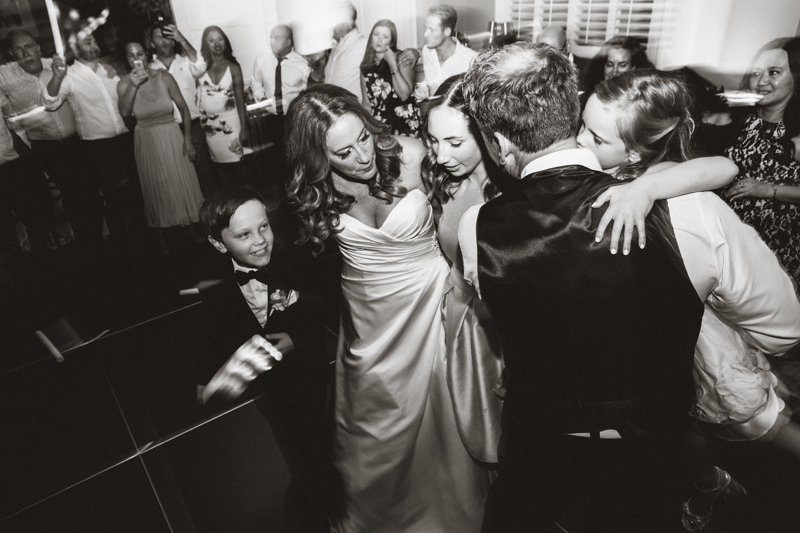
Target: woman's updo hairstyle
[[655, 121]]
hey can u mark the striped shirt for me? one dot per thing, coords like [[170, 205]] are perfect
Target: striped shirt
[[26, 91]]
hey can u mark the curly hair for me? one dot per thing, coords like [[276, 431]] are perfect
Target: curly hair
[[205, 51], [310, 189], [440, 182], [655, 117]]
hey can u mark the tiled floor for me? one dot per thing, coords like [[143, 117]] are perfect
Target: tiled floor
[[112, 439]]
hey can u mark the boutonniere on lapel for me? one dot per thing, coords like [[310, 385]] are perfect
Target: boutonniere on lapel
[[281, 299]]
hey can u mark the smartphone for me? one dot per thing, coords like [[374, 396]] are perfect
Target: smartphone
[[138, 63]]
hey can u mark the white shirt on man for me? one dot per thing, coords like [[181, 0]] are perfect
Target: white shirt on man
[[93, 98], [749, 299], [185, 73], [24, 91], [7, 150], [255, 293], [436, 72], [294, 77], [344, 62]]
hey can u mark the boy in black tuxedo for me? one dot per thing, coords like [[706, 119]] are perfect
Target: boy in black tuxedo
[[274, 336]]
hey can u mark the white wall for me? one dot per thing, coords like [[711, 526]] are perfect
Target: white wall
[[720, 37], [249, 22]]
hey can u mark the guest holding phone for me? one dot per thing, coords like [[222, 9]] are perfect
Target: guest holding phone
[[169, 50], [171, 193]]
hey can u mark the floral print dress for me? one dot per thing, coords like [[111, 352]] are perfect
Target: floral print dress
[[220, 118], [403, 117], [760, 154]]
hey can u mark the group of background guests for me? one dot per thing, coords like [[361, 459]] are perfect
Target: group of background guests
[[447, 321]]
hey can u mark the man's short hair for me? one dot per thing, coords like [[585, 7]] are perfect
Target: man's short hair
[[217, 209], [13, 35], [526, 92], [447, 16]]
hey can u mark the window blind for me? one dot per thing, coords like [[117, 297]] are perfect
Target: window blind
[[589, 23]]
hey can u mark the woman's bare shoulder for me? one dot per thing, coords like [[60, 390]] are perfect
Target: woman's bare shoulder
[[413, 153], [413, 150]]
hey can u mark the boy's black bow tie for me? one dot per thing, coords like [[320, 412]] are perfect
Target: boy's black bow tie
[[243, 278]]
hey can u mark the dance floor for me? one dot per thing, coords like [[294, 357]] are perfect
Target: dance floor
[[112, 439]]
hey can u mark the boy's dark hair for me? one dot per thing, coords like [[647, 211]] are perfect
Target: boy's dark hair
[[217, 209]]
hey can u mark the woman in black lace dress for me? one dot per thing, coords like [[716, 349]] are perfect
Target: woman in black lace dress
[[766, 193], [387, 84]]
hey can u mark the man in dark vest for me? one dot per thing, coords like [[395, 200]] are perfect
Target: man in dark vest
[[598, 347]]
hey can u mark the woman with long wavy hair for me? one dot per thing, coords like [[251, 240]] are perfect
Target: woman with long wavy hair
[[460, 175], [396, 444], [387, 83]]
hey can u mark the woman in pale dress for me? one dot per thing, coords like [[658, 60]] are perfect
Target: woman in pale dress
[[458, 176], [396, 445], [164, 157], [220, 96]]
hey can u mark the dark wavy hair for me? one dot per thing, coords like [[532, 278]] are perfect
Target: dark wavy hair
[[206, 52], [655, 117], [310, 189], [595, 71], [369, 51], [441, 183], [791, 115]]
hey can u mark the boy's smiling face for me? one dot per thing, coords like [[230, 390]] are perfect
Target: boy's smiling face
[[248, 237]]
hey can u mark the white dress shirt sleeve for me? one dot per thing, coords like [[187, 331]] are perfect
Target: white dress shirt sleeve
[[51, 103], [256, 83], [750, 310], [753, 291], [197, 68]]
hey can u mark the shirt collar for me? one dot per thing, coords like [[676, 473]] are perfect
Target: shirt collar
[[571, 156], [239, 268], [156, 62]]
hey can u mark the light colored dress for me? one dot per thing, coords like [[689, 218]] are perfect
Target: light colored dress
[[396, 445], [220, 118], [474, 351], [169, 184]]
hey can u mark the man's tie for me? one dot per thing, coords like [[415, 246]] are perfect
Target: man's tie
[[279, 88], [243, 278]]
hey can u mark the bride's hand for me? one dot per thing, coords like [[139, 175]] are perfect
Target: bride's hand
[[628, 206]]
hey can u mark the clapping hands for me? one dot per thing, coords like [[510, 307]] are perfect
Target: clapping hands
[[251, 359]]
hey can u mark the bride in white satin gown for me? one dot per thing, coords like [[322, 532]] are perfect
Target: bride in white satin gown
[[396, 445]]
